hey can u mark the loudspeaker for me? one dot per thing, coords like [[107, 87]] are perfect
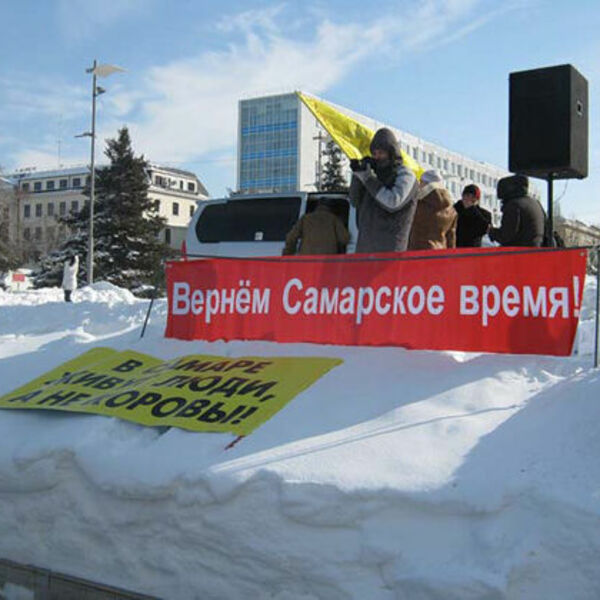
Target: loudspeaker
[[548, 123]]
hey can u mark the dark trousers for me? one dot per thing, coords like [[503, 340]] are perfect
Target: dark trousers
[[68, 295]]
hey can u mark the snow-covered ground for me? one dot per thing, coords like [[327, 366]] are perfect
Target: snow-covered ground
[[399, 475]]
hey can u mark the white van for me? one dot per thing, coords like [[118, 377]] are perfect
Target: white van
[[256, 224]]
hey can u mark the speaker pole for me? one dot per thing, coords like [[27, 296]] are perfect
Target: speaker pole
[[551, 204]]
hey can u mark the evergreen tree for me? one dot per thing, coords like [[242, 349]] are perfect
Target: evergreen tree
[[127, 251], [10, 253], [333, 178]]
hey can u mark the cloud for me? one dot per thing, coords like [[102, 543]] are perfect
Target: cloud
[[185, 111], [46, 98], [189, 107], [47, 159], [83, 19]]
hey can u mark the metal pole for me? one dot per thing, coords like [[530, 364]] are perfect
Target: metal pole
[[597, 331], [90, 260], [551, 207]]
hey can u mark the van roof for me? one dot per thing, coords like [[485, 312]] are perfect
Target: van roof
[[241, 196]]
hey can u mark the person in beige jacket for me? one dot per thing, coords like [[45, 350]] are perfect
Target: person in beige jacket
[[319, 232], [434, 225]]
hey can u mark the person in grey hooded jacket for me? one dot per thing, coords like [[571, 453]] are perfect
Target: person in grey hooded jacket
[[384, 193]]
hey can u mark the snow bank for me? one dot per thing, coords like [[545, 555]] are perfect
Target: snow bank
[[400, 474]]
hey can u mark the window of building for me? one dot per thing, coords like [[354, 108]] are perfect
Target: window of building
[[76, 182], [26, 233], [180, 184], [175, 208], [167, 236], [25, 187], [192, 209], [74, 205], [445, 164], [191, 186], [62, 208], [87, 180], [50, 231], [51, 209], [49, 185], [472, 174], [26, 211], [415, 153], [157, 205], [159, 180], [439, 162], [37, 186], [63, 184], [38, 233], [38, 210], [459, 170]]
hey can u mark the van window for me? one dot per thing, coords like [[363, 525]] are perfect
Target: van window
[[255, 219]]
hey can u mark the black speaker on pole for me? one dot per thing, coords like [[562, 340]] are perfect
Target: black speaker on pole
[[548, 123]]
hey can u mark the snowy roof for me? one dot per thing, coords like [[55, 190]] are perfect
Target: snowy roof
[[30, 175]]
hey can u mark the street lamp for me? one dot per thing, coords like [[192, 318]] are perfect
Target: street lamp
[[97, 71]]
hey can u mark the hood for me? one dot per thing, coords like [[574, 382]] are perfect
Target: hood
[[384, 139], [435, 195]]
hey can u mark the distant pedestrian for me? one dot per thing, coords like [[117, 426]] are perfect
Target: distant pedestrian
[[434, 225], [384, 192], [473, 220], [69, 281], [319, 232], [523, 218]]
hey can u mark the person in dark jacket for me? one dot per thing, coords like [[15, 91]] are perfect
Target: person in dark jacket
[[319, 232], [434, 225], [473, 221], [384, 193], [523, 217]]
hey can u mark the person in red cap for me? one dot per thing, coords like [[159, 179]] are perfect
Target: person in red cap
[[473, 221]]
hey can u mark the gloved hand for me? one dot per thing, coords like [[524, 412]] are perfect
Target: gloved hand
[[355, 165], [368, 161]]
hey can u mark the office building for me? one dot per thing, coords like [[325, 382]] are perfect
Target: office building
[[280, 146]]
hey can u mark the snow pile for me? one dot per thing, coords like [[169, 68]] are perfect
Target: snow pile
[[400, 474]]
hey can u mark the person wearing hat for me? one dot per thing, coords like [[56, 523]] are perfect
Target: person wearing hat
[[384, 192], [523, 218], [319, 232], [434, 225], [473, 221]]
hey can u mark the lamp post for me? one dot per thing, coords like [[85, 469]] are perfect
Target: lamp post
[[97, 71]]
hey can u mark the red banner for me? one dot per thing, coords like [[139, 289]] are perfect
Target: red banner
[[486, 300]]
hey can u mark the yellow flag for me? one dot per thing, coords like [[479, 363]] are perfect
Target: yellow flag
[[353, 138]]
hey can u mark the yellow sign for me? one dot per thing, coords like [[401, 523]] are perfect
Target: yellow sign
[[353, 138], [198, 392]]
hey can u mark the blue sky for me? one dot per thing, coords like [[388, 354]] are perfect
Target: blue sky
[[436, 68]]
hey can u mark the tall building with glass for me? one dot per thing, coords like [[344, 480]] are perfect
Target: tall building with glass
[[280, 147], [268, 144]]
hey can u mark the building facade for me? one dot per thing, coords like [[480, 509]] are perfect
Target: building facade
[[280, 147], [41, 197]]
